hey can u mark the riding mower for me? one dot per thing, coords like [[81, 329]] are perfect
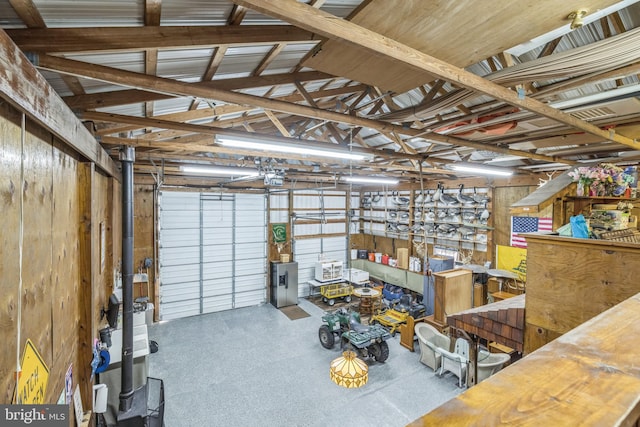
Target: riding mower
[[365, 341], [397, 315]]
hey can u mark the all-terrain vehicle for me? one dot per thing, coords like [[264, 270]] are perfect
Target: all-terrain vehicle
[[366, 341]]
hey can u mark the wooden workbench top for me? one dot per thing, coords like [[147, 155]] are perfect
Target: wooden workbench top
[[590, 376]]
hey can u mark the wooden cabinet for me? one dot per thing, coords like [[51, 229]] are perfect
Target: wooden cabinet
[[569, 281], [453, 293]]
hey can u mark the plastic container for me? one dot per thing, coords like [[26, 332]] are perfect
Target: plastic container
[[385, 259], [378, 257], [372, 256]]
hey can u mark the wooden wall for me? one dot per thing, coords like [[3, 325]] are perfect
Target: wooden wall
[[144, 205], [64, 283], [503, 198]]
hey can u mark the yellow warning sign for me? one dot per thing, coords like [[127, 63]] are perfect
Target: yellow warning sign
[[32, 384]]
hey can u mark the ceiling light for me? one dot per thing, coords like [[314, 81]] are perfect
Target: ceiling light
[[349, 371], [212, 170], [481, 169], [291, 148], [370, 180]]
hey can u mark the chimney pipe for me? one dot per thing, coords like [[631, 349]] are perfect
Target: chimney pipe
[[127, 157]]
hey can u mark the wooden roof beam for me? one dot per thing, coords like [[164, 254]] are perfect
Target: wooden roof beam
[[169, 86], [104, 39], [329, 26]]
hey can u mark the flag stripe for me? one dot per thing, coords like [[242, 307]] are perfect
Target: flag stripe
[[527, 224]]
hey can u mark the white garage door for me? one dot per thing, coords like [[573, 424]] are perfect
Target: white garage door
[[319, 229], [212, 252]]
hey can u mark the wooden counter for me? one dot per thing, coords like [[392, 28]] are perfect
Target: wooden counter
[[571, 280], [587, 377]]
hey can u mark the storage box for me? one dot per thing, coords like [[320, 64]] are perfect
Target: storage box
[[356, 276], [327, 271], [362, 254], [402, 255], [285, 257], [440, 263]]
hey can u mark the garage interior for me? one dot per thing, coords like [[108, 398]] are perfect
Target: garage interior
[[160, 158]]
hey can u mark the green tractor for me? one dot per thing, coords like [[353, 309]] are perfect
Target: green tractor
[[365, 341]]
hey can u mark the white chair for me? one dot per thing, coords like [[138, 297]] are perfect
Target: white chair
[[490, 363], [429, 339], [456, 362]]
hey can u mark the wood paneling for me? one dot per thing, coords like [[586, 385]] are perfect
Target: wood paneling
[[571, 280], [63, 286], [588, 377], [65, 271], [143, 235], [84, 299], [503, 198], [9, 272], [442, 30], [37, 292]]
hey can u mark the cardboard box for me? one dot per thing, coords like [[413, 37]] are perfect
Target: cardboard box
[[402, 255]]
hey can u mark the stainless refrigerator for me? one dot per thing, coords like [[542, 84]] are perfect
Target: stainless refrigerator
[[284, 283]]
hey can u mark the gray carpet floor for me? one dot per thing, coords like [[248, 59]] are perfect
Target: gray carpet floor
[[256, 367]]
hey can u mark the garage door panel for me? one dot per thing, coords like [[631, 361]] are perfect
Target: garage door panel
[[180, 201], [215, 287], [180, 256], [216, 247], [217, 222], [216, 238], [180, 292], [217, 303], [215, 254], [249, 266], [180, 273], [217, 269], [179, 219], [178, 310], [176, 238], [250, 251], [248, 299], [250, 235]]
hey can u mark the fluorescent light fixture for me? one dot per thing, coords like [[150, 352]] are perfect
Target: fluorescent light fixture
[[214, 170], [480, 169], [291, 149], [370, 180]]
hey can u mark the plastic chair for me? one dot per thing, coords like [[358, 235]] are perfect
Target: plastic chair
[[456, 362], [429, 340]]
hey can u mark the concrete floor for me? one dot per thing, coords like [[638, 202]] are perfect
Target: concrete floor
[[255, 367]]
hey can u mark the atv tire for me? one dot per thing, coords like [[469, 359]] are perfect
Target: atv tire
[[327, 339], [379, 351]]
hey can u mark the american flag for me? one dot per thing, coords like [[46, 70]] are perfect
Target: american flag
[[527, 224]]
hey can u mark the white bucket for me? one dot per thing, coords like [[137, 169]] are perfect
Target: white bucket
[[354, 254], [100, 393], [378, 256]]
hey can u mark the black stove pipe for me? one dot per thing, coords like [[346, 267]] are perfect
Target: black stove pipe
[[127, 157]]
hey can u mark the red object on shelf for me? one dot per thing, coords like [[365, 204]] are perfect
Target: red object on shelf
[[385, 259]]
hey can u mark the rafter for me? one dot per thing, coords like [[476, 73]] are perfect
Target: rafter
[[131, 96], [102, 39], [327, 25], [164, 85]]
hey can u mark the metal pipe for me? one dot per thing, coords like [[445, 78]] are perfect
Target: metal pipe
[[127, 157]]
